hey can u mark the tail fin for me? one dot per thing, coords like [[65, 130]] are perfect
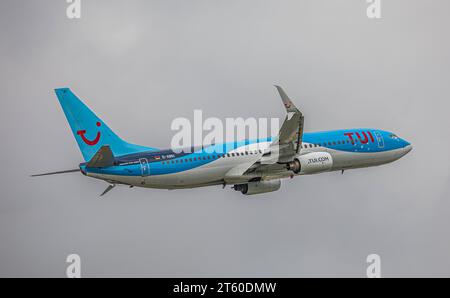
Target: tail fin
[[90, 131]]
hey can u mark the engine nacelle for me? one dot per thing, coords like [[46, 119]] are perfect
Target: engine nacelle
[[253, 188], [311, 163]]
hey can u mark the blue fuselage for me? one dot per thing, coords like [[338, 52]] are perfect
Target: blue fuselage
[[208, 165]]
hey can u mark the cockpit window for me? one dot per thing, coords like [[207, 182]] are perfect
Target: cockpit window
[[393, 136]]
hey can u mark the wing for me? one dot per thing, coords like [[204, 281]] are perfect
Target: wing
[[289, 138], [282, 150], [285, 146]]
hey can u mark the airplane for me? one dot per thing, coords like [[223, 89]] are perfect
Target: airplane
[[249, 166]]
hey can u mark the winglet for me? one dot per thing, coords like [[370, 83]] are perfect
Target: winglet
[[287, 102], [292, 128]]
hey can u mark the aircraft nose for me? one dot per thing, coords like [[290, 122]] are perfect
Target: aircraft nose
[[407, 148]]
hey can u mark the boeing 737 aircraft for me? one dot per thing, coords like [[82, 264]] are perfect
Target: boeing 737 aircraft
[[250, 166]]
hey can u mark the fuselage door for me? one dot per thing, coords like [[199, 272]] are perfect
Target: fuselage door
[[145, 168], [380, 139]]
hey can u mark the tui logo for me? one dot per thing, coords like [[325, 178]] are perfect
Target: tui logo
[[364, 140], [93, 142]]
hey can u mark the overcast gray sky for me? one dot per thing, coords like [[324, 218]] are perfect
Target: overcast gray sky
[[140, 64]]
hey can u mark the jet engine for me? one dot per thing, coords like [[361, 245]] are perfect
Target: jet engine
[[258, 187], [311, 163]]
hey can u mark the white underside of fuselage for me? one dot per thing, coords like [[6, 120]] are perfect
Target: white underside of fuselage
[[214, 173]]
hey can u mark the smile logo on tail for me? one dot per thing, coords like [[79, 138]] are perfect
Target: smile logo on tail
[[87, 141]]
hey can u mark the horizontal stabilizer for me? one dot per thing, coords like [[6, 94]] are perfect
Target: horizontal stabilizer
[[54, 173], [102, 159], [111, 186]]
